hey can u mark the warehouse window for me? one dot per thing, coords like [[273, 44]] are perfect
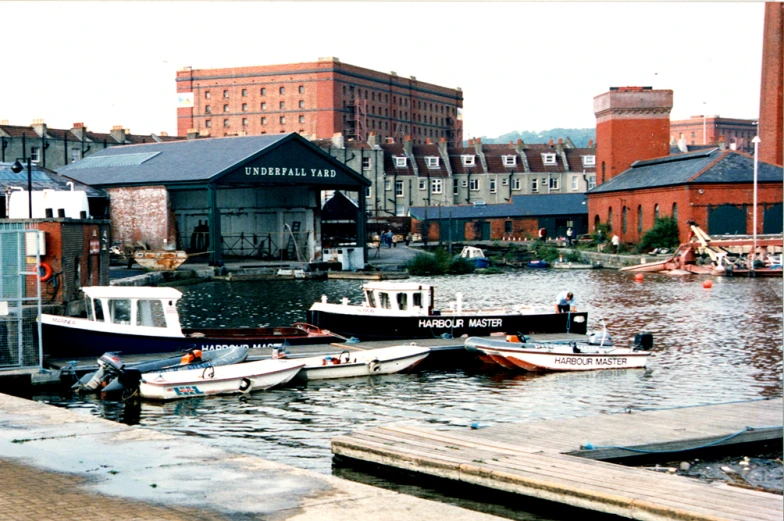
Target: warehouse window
[[264, 106], [244, 107], [225, 122], [208, 123], [263, 91], [263, 121], [301, 104], [225, 94], [207, 94], [244, 122], [244, 92], [225, 108], [207, 109], [282, 105], [282, 90], [301, 89], [302, 119], [282, 119]]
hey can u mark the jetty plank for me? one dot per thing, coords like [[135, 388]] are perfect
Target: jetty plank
[[542, 459]]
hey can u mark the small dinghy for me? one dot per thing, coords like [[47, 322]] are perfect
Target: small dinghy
[[597, 353], [226, 379], [386, 360]]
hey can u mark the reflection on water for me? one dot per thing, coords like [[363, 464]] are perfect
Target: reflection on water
[[710, 346]]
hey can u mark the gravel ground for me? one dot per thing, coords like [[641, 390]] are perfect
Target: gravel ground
[[761, 472]]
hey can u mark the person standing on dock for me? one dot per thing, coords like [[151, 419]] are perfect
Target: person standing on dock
[[564, 302]]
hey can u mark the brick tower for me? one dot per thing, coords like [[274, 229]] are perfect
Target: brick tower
[[771, 96], [632, 123]]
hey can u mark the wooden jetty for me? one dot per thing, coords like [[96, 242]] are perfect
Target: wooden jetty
[[548, 459]]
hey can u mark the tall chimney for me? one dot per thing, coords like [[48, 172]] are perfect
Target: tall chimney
[[771, 149]]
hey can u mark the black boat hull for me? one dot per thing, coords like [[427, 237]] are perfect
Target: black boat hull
[[369, 327]]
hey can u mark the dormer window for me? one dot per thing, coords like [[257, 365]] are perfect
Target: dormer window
[[548, 159], [509, 160], [468, 160], [431, 161], [401, 161], [589, 160]]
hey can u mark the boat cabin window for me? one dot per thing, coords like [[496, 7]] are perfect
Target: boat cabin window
[[384, 300], [150, 313], [371, 298], [120, 311], [98, 311], [417, 300], [402, 301]]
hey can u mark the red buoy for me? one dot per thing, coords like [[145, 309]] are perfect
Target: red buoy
[[707, 284], [638, 277]]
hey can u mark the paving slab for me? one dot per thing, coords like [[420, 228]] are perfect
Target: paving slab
[[63, 465]]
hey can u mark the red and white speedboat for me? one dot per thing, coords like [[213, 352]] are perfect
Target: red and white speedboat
[[562, 356]]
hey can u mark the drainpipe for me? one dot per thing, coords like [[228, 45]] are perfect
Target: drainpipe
[[511, 175], [5, 145], [468, 200]]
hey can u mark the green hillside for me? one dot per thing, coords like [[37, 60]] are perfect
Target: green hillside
[[579, 136]]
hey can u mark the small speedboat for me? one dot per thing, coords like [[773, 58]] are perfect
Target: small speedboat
[[386, 360], [226, 379], [538, 264], [113, 375], [515, 353]]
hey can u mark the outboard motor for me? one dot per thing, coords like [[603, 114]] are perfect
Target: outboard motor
[[109, 366], [643, 341]]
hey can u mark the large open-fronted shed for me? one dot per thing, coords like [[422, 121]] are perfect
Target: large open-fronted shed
[[248, 196]]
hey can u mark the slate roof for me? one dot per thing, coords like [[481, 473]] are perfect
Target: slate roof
[[521, 206], [705, 166], [41, 178], [175, 162]]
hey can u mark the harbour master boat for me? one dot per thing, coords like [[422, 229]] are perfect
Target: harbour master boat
[[401, 310], [597, 353], [141, 320]]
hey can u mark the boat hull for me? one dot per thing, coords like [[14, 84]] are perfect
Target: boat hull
[[227, 379], [386, 360], [66, 337], [380, 327], [545, 357]]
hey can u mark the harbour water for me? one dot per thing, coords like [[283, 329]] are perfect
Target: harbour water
[[711, 346]]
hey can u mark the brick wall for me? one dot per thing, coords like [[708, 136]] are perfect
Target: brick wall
[[693, 203], [631, 124], [771, 149], [142, 214]]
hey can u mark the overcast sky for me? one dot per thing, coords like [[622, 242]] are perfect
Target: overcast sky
[[522, 66]]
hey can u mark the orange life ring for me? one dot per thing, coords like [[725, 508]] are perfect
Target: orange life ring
[[45, 272]]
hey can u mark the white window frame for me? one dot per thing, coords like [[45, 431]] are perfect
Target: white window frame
[[423, 184], [504, 182], [432, 161], [388, 185], [549, 158], [35, 154], [367, 163], [516, 184], [368, 192], [464, 183], [589, 160], [509, 160], [401, 161], [555, 183], [436, 186], [475, 185], [493, 184], [468, 159], [534, 185], [399, 189], [455, 187], [591, 182], [575, 183]]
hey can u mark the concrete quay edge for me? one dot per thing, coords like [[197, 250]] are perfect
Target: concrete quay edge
[[62, 464]]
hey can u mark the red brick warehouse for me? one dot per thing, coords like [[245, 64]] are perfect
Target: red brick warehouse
[[317, 99]]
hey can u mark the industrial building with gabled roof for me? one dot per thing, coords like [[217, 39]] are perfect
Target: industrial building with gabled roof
[[257, 196]]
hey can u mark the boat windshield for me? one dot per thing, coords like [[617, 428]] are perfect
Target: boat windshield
[[150, 313]]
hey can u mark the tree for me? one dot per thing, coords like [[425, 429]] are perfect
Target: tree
[[664, 234]]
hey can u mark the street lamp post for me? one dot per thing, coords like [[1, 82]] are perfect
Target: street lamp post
[[16, 168], [756, 142]]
